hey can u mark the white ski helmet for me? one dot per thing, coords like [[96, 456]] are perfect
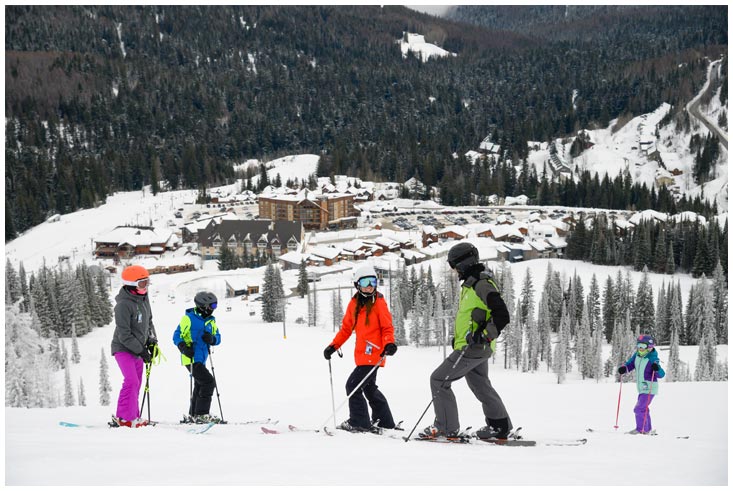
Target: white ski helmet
[[362, 271]]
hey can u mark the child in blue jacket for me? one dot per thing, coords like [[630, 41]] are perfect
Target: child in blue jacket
[[193, 336], [648, 370]]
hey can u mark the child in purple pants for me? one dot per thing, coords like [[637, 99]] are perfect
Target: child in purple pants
[[133, 342], [648, 370]]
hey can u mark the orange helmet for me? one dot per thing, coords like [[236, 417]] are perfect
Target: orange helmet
[[134, 276]]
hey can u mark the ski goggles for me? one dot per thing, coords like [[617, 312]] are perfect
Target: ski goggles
[[142, 284], [213, 306], [642, 346], [367, 281]]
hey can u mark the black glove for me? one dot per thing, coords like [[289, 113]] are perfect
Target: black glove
[[151, 347], [390, 349], [655, 367], [622, 369], [146, 356], [208, 338], [329, 351], [185, 349]]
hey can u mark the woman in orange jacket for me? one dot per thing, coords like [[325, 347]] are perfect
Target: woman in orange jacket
[[368, 316]]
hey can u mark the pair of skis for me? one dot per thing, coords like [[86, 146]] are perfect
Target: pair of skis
[[198, 429]]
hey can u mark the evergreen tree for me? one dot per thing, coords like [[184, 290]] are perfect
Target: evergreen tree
[[584, 353], [720, 304], [270, 301], [643, 313], [28, 367], [674, 364], [662, 327], [545, 330], [562, 349], [25, 306], [68, 389], [302, 280], [596, 362], [12, 282], [105, 388], [609, 308], [82, 398], [75, 355], [705, 367]]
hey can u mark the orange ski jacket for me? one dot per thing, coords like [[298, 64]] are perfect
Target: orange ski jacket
[[371, 337]]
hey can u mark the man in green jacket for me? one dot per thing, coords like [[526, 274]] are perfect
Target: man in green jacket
[[481, 316]]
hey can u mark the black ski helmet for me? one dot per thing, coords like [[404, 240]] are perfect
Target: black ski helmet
[[462, 256], [205, 303]]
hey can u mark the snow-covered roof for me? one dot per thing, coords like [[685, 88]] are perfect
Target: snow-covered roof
[[136, 236], [648, 215], [326, 252]]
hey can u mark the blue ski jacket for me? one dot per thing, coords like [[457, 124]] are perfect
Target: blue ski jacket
[[191, 328]]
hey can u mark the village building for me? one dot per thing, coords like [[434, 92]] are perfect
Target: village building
[[124, 242], [251, 237], [315, 211]]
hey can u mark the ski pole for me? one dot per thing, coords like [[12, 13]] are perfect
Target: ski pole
[[216, 386], [648, 401], [463, 352], [618, 407], [354, 391], [330, 374], [146, 392], [190, 389]]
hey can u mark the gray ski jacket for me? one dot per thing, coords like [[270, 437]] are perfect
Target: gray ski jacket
[[133, 323]]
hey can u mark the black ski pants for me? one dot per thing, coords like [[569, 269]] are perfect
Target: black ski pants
[[358, 412], [203, 389]]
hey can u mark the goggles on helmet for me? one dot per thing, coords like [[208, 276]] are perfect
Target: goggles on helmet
[[642, 346], [213, 306], [143, 284], [367, 281]]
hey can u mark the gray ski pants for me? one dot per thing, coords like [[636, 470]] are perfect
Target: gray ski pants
[[475, 367]]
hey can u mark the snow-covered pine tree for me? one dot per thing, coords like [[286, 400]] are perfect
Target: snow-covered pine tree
[[302, 280], [705, 367], [398, 321], [596, 362], [643, 314], [594, 304], [68, 389], [312, 300], [674, 364], [526, 300], [270, 304], [513, 339], [584, 344], [662, 328], [700, 295], [720, 303], [562, 348], [555, 298], [575, 303], [545, 330], [24, 291], [75, 355], [416, 337], [82, 398], [428, 321], [533, 345], [28, 370], [609, 308], [104, 305], [12, 282], [105, 388]]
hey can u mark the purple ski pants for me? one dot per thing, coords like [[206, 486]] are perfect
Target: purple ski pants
[[131, 367], [642, 413]]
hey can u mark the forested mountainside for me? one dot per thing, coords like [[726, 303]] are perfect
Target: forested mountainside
[[107, 98]]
